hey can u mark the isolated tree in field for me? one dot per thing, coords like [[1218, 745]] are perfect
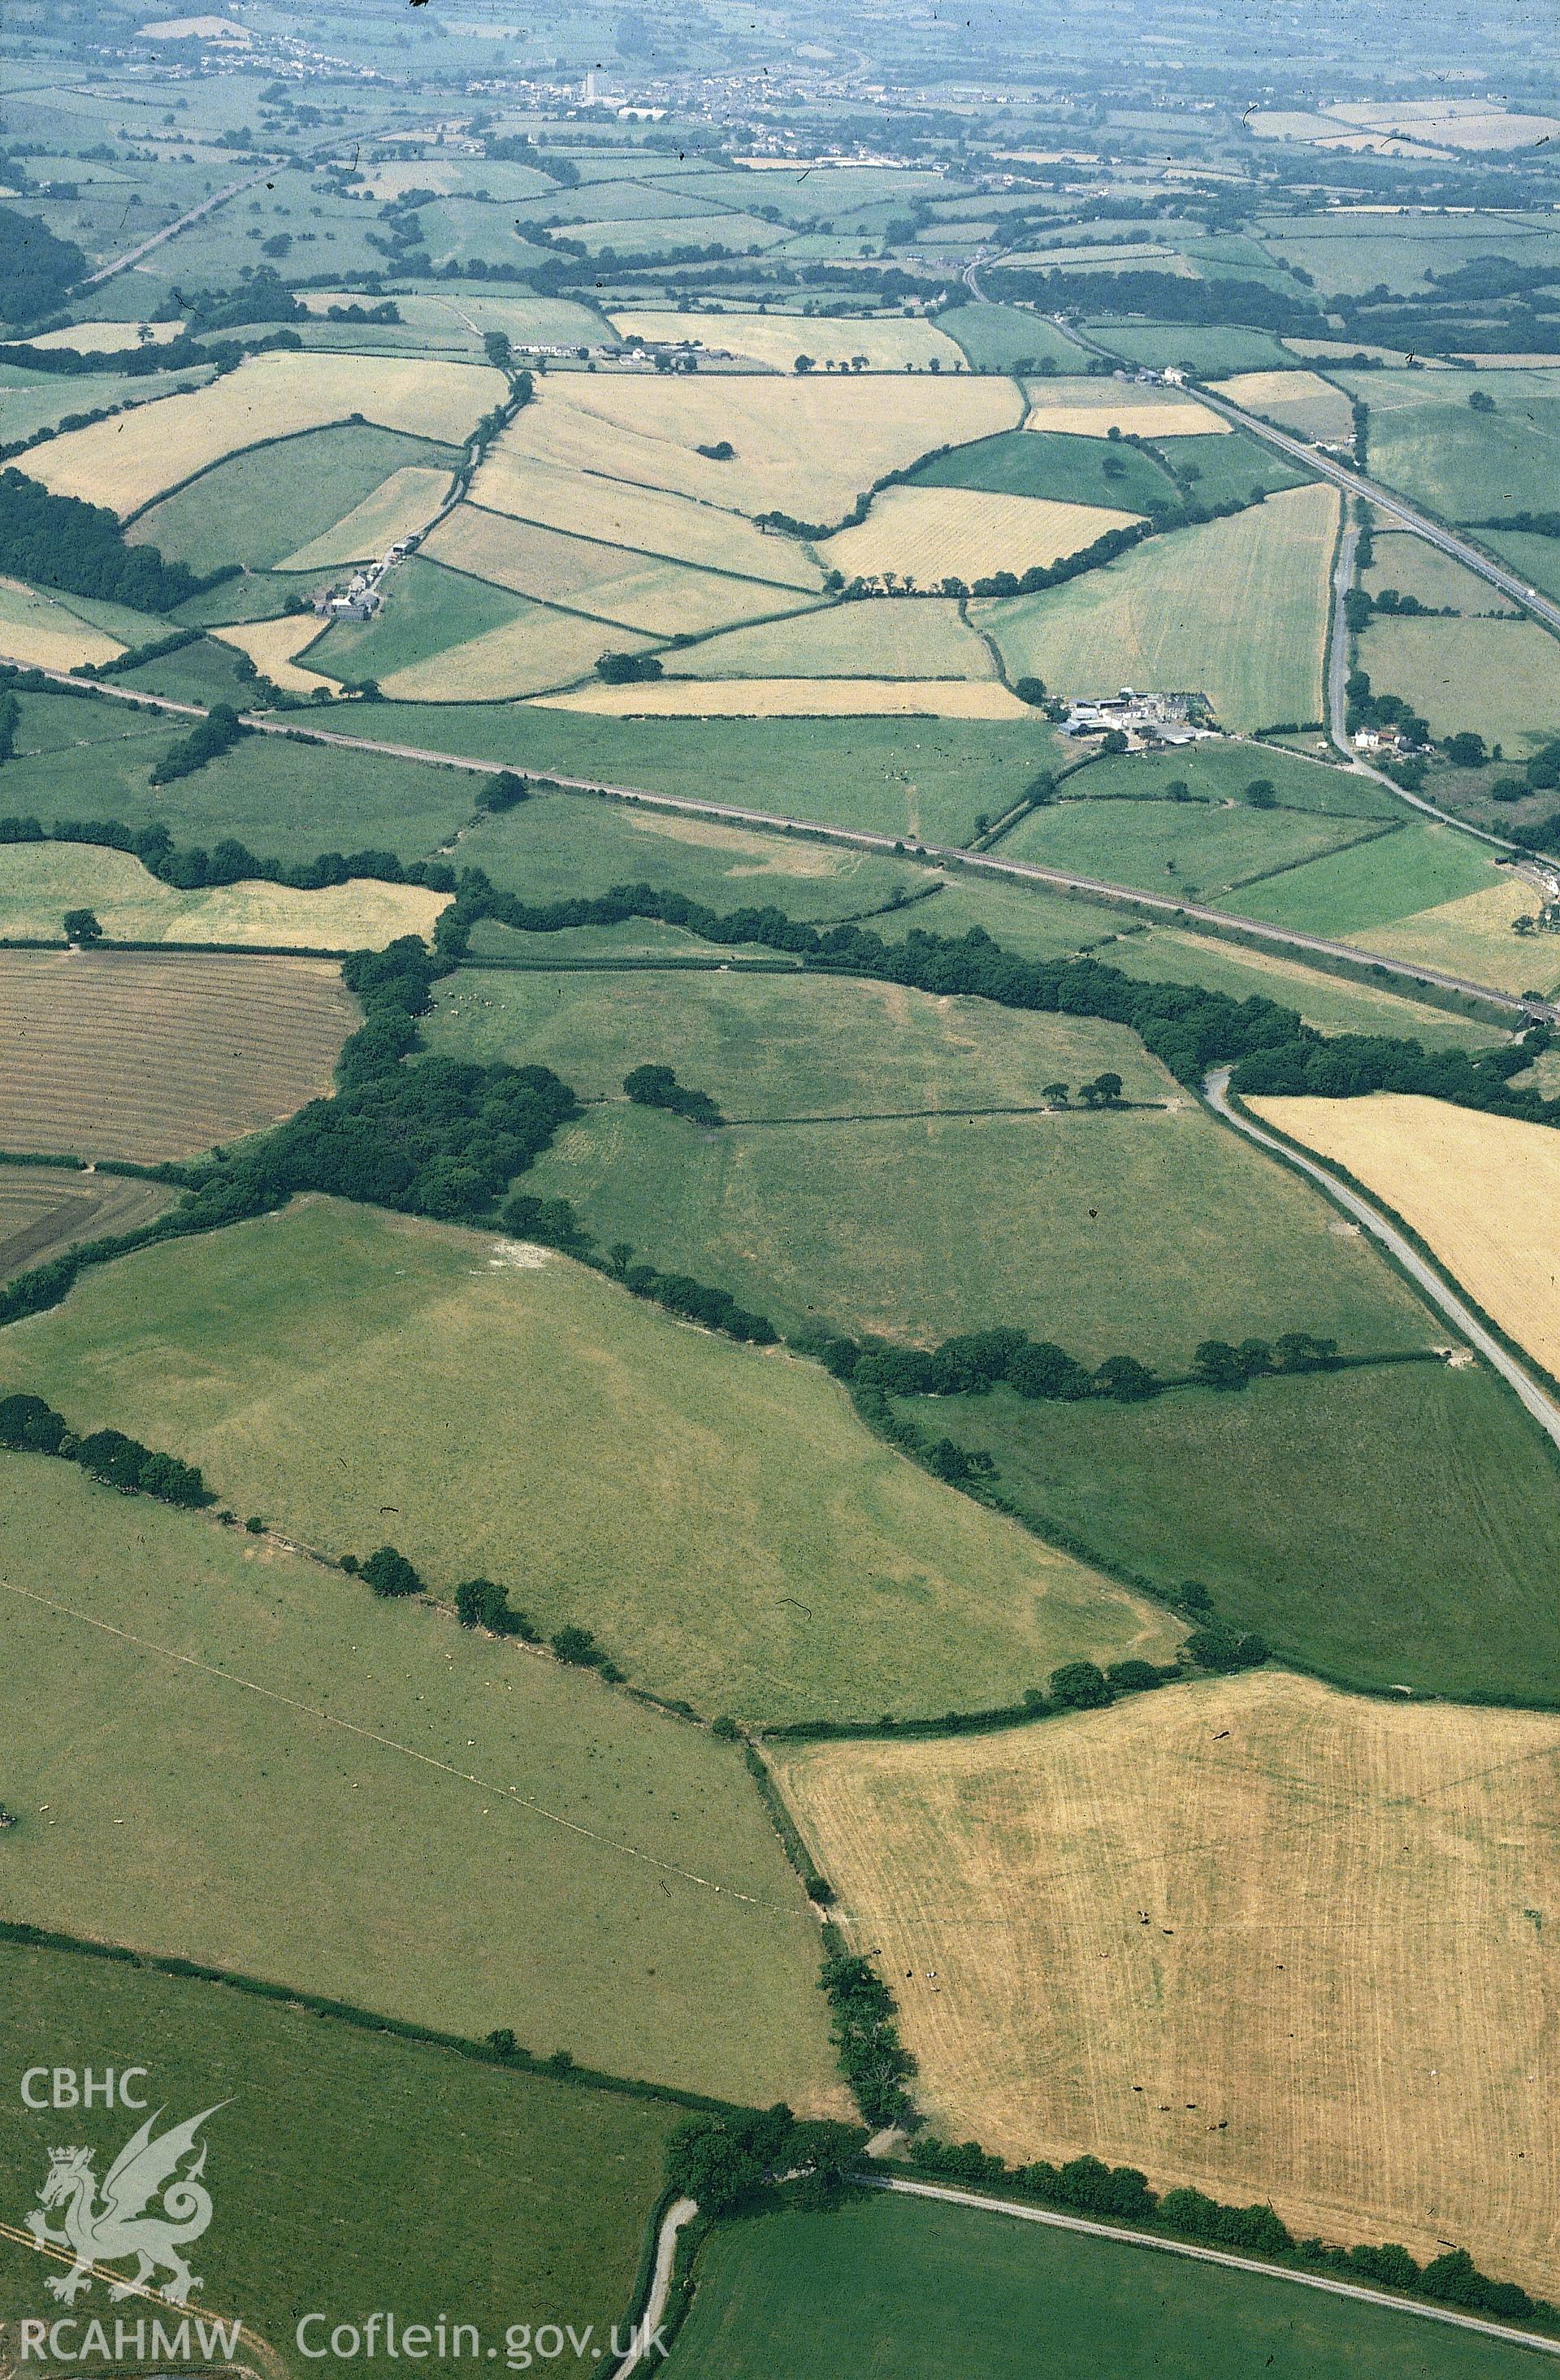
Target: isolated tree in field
[[1056, 1093], [1261, 793], [82, 929], [389, 1573], [1105, 1091], [803, 365], [1030, 689], [1481, 401]]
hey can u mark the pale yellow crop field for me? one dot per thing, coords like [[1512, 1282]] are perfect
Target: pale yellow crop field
[[1252, 1935], [808, 447], [1301, 402], [890, 343], [1482, 1191], [126, 462], [1473, 938], [1452, 122], [40, 881], [1091, 407], [40, 634], [540, 650], [963, 533], [104, 338], [648, 520], [638, 590], [273, 647], [794, 697], [882, 637], [406, 502]]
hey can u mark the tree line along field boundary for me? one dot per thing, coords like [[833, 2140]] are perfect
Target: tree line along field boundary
[[491, 2052], [1484, 1005]]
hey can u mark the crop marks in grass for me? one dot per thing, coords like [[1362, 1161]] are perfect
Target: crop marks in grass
[[1255, 1936]]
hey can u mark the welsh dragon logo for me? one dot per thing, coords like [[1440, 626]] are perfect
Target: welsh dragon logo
[[122, 2216]]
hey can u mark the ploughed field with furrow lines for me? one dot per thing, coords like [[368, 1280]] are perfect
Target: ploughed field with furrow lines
[[136, 1056]]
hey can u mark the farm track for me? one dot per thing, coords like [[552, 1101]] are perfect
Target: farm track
[[1165, 906], [1023, 2214], [138, 1056], [1425, 1275]]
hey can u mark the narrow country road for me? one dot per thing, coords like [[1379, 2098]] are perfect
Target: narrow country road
[[1215, 1089], [1163, 905], [1012, 2208], [680, 2213]]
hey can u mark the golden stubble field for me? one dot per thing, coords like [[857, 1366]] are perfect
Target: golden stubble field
[[126, 1054], [125, 463], [1482, 1191], [809, 446], [1253, 1935]]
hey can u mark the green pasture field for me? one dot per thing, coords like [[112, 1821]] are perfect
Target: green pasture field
[[1108, 1232], [1426, 441], [1332, 1003], [1234, 608], [557, 846], [1344, 892], [1032, 919], [427, 610], [440, 1828], [1231, 463], [1391, 1527], [1206, 353], [1500, 677], [44, 1209], [285, 800], [1056, 464], [1006, 338], [1214, 770], [938, 2292], [32, 402], [1196, 848], [519, 1416], [205, 672], [532, 2194], [1352, 256], [258, 595], [1415, 567], [921, 778], [269, 500], [1538, 558]]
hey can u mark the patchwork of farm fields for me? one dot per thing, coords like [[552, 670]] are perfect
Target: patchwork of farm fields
[[629, 589], [301, 501], [884, 345], [1094, 407], [335, 1360], [807, 446], [893, 1209], [1241, 1935], [935, 2290], [471, 2141], [121, 1054], [1235, 610], [39, 633], [438, 1827], [126, 464]]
